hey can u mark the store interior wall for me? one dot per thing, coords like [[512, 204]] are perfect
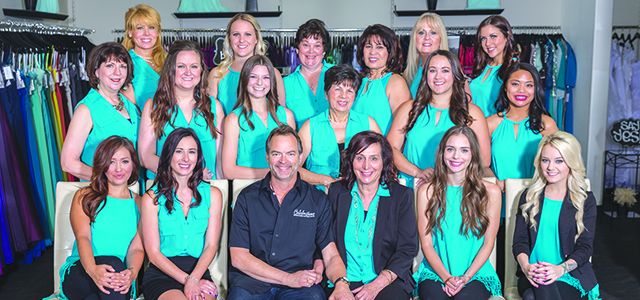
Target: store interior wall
[[586, 24]]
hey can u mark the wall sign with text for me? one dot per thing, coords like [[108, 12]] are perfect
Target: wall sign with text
[[626, 132]]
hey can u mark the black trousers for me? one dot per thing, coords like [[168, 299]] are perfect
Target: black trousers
[[555, 291], [432, 290], [79, 285], [391, 292]]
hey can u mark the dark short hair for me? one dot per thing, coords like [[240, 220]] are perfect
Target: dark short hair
[[313, 28], [103, 53], [359, 143], [390, 41], [341, 74], [284, 130]]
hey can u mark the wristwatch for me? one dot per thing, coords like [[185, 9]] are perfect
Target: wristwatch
[[343, 279]]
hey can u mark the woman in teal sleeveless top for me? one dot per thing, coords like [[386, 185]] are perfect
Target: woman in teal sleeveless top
[[243, 40], [247, 127], [108, 252], [519, 126], [555, 225], [182, 103], [325, 135], [181, 223], [104, 112], [305, 86], [142, 39], [494, 52], [382, 89], [457, 232], [419, 125], [428, 35]]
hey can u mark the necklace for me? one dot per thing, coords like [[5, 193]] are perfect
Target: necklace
[[119, 106]]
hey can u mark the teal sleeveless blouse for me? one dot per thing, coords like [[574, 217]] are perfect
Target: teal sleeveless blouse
[[374, 102], [300, 98], [520, 150], [228, 90], [252, 147], [107, 121], [456, 250], [145, 79], [484, 92]]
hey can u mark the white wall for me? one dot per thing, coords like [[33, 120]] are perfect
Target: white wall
[[626, 12]]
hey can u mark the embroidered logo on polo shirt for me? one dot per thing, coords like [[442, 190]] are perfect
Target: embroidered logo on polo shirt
[[301, 213]]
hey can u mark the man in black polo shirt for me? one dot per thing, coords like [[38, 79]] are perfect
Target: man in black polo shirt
[[278, 224]]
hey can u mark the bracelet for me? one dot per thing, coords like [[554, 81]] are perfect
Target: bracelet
[[186, 279], [564, 268]]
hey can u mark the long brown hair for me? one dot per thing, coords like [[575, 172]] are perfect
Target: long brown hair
[[243, 96], [459, 102], [164, 181], [164, 102], [474, 193], [482, 58], [395, 59], [95, 194]]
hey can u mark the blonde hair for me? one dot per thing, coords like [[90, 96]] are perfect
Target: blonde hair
[[144, 14], [413, 57], [569, 148], [260, 49]]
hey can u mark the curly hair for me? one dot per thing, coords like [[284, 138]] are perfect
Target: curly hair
[[165, 182], [144, 14], [389, 39], [509, 53], [569, 148], [459, 102], [359, 143], [95, 194], [536, 107], [164, 102], [474, 193], [244, 100]]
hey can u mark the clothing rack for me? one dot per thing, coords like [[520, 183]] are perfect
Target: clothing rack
[[42, 28], [470, 30], [626, 27]]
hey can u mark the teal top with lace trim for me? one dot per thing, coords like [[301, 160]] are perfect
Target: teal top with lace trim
[[485, 91], [547, 246], [252, 147], [358, 236], [457, 251], [115, 226], [372, 101], [300, 98], [421, 142], [145, 79], [520, 149], [228, 90]]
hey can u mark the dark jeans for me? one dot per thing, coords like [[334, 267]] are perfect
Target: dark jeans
[[278, 293], [391, 292], [432, 290], [555, 291], [79, 285]]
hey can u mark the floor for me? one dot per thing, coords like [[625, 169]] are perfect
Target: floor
[[616, 261]]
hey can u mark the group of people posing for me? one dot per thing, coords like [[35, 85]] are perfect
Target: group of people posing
[[338, 156]]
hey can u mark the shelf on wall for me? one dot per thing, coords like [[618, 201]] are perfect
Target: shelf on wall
[[212, 15], [448, 12], [33, 14]]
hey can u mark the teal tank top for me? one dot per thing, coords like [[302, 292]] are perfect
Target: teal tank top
[[547, 246], [520, 150], [300, 98], [145, 79], [374, 102], [423, 139], [457, 251], [484, 92], [416, 81], [358, 236], [228, 90], [324, 157], [199, 125], [252, 149], [180, 236], [107, 121], [114, 228]]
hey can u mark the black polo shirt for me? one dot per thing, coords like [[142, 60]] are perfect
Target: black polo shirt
[[285, 237]]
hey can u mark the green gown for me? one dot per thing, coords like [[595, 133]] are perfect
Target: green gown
[[374, 102], [252, 149], [457, 251], [107, 121], [422, 140], [300, 98], [485, 91]]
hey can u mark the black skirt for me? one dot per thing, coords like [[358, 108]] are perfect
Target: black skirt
[[155, 282]]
